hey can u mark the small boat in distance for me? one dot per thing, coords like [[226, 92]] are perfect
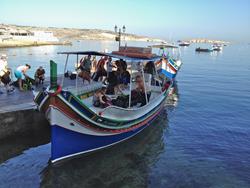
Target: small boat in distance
[[217, 47], [164, 45], [183, 43], [203, 49]]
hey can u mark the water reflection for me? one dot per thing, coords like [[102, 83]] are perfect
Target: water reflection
[[14, 146], [127, 163]]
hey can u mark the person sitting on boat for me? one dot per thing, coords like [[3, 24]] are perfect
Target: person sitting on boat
[[5, 74], [100, 70], [138, 94], [20, 72], [39, 75], [123, 77], [85, 67], [113, 86], [150, 68], [100, 99]]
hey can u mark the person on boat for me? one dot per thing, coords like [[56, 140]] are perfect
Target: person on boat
[[85, 67], [113, 86], [123, 76], [20, 72], [150, 68], [94, 65], [39, 75], [5, 74], [100, 70], [123, 64], [100, 99], [109, 66], [138, 94]]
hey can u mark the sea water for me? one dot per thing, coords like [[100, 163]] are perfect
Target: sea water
[[203, 141]]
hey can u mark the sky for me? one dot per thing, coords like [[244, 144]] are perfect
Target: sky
[[169, 19]]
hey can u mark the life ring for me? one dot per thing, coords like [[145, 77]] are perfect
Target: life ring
[[58, 91]]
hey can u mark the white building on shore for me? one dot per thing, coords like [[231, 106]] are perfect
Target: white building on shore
[[36, 36], [7, 33]]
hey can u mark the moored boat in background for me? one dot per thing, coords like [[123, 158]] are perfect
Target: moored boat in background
[[199, 49], [184, 43], [217, 47]]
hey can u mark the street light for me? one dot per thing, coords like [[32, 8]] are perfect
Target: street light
[[123, 28], [119, 34]]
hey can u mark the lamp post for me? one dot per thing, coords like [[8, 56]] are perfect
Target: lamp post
[[119, 34]]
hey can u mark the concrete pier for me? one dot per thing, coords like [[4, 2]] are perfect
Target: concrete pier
[[21, 122], [18, 114]]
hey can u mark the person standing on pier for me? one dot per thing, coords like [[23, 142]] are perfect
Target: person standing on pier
[[39, 75], [20, 72], [85, 67], [5, 74]]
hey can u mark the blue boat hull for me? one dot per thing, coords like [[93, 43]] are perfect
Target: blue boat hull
[[66, 143]]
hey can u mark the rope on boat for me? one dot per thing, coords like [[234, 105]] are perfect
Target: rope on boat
[[58, 91]]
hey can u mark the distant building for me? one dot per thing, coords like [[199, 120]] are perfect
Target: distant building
[[36, 36], [26, 35]]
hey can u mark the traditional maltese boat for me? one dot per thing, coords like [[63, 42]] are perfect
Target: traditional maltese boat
[[79, 127], [168, 66]]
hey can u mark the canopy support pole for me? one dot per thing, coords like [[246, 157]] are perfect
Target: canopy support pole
[[145, 89], [65, 66], [130, 85], [76, 73]]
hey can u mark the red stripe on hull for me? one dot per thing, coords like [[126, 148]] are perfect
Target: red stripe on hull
[[56, 102]]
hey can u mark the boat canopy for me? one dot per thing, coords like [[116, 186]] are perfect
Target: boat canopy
[[124, 57]]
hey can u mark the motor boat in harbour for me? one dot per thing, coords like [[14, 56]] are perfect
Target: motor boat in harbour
[[183, 43], [217, 47], [199, 49], [79, 127]]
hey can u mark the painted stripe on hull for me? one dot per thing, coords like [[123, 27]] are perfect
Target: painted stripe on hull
[[90, 123], [67, 143]]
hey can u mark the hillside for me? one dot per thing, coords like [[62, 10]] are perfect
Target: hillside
[[81, 34]]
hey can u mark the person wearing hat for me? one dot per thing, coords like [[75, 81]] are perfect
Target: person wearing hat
[[20, 72], [39, 75]]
